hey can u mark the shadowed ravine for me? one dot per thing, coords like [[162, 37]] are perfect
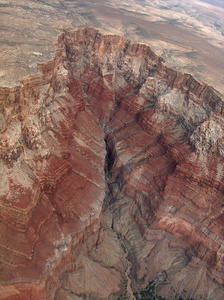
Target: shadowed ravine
[[112, 168]]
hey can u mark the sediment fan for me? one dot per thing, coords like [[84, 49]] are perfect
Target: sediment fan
[[111, 178]]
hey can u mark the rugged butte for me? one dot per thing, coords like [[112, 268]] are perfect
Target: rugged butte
[[111, 178]]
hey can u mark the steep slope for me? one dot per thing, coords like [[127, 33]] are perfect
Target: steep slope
[[112, 178]]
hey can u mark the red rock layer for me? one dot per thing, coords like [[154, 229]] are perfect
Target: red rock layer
[[105, 109]]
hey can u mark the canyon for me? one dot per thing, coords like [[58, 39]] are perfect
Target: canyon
[[112, 177]]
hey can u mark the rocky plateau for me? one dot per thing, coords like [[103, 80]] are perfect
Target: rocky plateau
[[112, 178]]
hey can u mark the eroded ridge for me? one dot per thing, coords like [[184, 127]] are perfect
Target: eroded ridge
[[112, 178]]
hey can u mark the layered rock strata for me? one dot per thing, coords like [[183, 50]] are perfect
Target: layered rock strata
[[112, 178]]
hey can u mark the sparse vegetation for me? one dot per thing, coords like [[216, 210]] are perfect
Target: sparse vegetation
[[148, 293]]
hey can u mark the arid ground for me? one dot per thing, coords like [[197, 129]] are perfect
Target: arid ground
[[189, 35]]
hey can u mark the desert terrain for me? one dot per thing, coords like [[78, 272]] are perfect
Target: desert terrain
[[111, 150], [187, 34]]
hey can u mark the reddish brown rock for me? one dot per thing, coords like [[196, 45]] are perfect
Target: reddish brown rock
[[112, 177]]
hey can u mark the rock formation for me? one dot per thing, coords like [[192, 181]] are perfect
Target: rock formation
[[111, 178]]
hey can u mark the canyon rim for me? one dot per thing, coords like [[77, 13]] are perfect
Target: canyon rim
[[112, 177]]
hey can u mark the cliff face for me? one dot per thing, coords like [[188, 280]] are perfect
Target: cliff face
[[112, 178]]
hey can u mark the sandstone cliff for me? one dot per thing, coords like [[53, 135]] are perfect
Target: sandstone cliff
[[111, 178]]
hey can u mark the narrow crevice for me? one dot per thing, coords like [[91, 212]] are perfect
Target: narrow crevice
[[113, 189], [110, 155], [112, 184]]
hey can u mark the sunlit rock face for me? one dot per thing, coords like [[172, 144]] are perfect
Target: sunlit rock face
[[111, 178]]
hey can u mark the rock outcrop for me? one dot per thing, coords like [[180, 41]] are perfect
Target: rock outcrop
[[111, 178]]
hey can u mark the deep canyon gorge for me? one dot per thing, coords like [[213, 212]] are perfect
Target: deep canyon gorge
[[112, 177]]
